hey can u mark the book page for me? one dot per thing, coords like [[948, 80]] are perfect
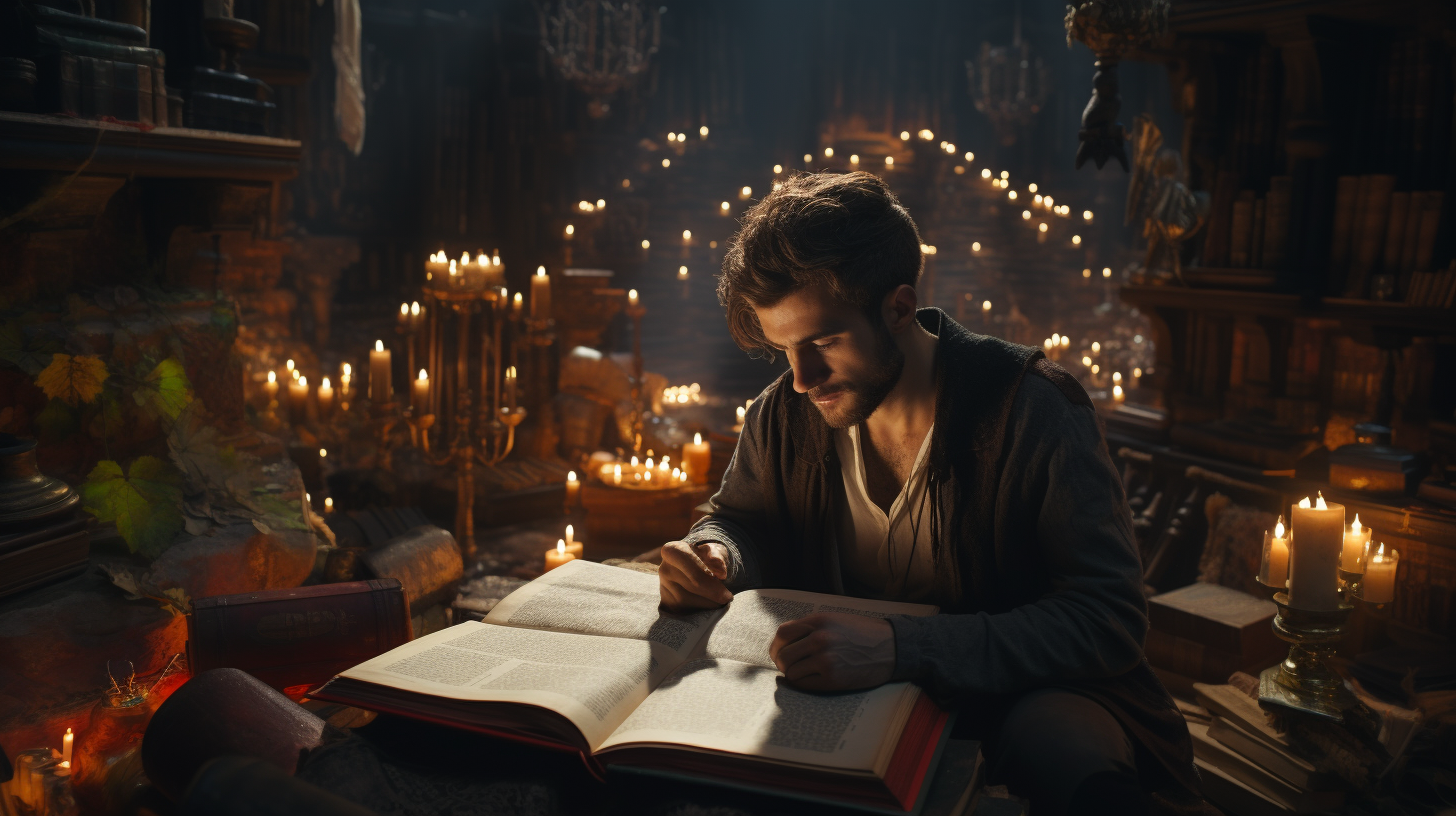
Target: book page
[[747, 629], [593, 681], [593, 599], [728, 705]]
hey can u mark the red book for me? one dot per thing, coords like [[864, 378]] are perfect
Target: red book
[[301, 636]]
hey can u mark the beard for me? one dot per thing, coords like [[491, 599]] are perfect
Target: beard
[[859, 398]]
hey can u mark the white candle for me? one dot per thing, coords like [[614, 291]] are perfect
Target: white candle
[[1352, 556], [696, 457], [1276, 558], [380, 365], [271, 387], [541, 294], [573, 489], [1379, 583], [420, 394], [346, 374], [511, 388], [632, 297], [1315, 556], [436, 267], [516, 305], [67, 743], [616, 474], [573, 544], [325, 397], [298, 398], [558, 556]]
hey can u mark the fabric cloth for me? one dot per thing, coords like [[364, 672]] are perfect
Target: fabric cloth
[[885, 556], [1037, 577]]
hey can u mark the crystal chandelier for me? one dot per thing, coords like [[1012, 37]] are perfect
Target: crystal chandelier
[[1008, 84], [598, 45]]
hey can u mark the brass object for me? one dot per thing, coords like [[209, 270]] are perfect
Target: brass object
[[1111, 29], [29, 498], [1303, 681], [1158, 196]]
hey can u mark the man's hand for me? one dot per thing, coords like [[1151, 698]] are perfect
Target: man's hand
[[835, 651], [691, 576]]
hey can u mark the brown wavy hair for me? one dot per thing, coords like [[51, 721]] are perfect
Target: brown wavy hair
[[845, 232]]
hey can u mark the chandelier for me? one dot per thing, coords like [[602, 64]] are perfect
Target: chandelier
[[1111, 29], [598, 45], [1008, 84]]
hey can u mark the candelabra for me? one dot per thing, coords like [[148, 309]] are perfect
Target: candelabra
[[1303, 681]]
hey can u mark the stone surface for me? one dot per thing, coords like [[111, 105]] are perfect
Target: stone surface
[[235, 558]]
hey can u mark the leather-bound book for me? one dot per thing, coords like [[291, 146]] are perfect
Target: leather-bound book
[[297, 637], [1347, 189], [1217, 617]]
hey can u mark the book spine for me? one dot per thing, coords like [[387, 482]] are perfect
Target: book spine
[[1256, 243], [1241, 230], [1395, 233], [125, 91], [1347, 190], [1370, 232], [1216, 243], [144, 94], [159, 96], [1410, 234], [1426, 236], [1276, 231]]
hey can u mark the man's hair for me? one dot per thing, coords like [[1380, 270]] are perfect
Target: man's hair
[[845, 232]]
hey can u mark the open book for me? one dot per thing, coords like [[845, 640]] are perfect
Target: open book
[[583, 659]]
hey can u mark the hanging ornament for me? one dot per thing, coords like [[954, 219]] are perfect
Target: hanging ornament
[[600, 47], [1111, 29], [1008, 84]]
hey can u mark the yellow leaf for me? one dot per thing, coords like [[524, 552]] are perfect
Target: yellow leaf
[[73, 380]]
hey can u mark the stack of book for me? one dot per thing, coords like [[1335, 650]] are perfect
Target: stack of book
[[1206, 632], [1248, 767], [1436, 289], [95, 69], [1379, 231], [36, 557]]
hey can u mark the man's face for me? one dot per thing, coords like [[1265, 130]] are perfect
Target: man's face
[[843, 362]]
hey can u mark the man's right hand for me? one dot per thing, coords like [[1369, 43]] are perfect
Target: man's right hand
[[691, 576]]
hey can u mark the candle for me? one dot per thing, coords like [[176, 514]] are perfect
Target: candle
[[1275, 572], [420, 395], [696, 457], [573, 544], [454, 274], [1379, 583], [67, 743], [326, 397], [289, 365], [1352, 556], [541, 294], [298, 398], [1314, 558], [403, 315], [414, 321], [380, 364], [346, 374], [271, 387], [616, 474], [558, 556], [570, 231], [436, 267], [1116, 392], [632, 297], [742, 415], [573, 490]]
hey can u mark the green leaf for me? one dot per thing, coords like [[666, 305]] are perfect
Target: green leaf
[[146, 503], [167, 390], [29, 356]]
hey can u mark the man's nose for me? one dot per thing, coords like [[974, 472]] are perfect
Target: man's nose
[[809, 370]]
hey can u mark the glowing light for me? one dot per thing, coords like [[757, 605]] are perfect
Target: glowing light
[[986, 173], [1076, 240], [1086, 361], [272, 376], [1005, 175], [1319, 503], [985, 305], [703, 131], [927, 135], [904, 135], [288, 364], [950, 147], [540, 271], [828, 152], [1096, 348], [1031, 187], [415, 309], [671, 137], [667, 162], [970, 157], [1304, 503], [1036, 199], [1026, 215], [1086, 273], [975, 246], [778, 168], [1086, 215], [1047, 200], [646, 243], [682, 273], [1117, 377], [1042, 227], [1096, 368], [746, 192], [959, 170], [854, 158], [1106, 271], [570, 229], [626, 183], [889, 161], [1011, 195], [687, 235], [724, 206], [808, 157], [1279, 528], [601, 203], [379, 345]]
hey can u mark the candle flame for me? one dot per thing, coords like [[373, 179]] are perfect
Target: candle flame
[[747, 191], [570, 229], [323, 452], [1304, 503], [1319, 504], [1279, 528], [415, 309], [687, 235], [453, 271], [303, 381], [634, 461], [326, 383], [272, 376], [1380, 553], [570, 531], [517, 299], [560, 546], [348, 369], [404, 308], [1355, 528], [66, 763], [378, 346], [329, 503], [495, 260], [511, 373], [423, 375], [294, 372], [647, 476], [540, 271], [649, 461], [632, 294]]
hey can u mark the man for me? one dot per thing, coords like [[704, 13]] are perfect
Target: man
[[907, 459]]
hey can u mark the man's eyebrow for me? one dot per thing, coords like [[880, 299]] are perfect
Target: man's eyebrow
[[811, 338]]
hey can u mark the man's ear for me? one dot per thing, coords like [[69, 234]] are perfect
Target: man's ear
[[899, 308]]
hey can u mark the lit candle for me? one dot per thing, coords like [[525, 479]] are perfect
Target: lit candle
[[67, 743], [573, 544], [573, 489], [696, 457], [346, 374], [517, 305], [414, 321], [403, 315], [420, 394], [511, 388], [328, 504], [436, 267], [616, 474], [570, 231], [271, 387], [1275, 572], [380, 364], [1315, 555], [541, 294], [1352, 556], [632, 297], [298, 398], [326, 397], [289, 365], [1117, 393], [558, 556], [1378, 586], [742, 414]]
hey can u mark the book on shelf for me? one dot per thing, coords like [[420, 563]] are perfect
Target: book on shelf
[[1276, 227], [1371, 219], [1241, 229], [1400, 208], [1256, 242], [1289, 798], [583, 660], [1347, 189], [1286, 765]]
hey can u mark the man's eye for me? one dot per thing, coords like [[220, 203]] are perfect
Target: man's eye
[[826, 344]]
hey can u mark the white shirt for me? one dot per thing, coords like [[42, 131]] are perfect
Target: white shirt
[[884, 556]]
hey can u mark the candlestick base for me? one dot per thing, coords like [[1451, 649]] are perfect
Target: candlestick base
[[1304, 681], [1350, 584]]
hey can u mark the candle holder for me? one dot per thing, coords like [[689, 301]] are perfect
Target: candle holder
[[1303, 681], [383, 416], [420, 430]]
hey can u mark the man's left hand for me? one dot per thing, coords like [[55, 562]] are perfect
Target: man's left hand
[[835, 651]]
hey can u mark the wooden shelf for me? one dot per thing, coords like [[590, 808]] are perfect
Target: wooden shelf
[[1256, 16], [38, 142], [1420, 319]]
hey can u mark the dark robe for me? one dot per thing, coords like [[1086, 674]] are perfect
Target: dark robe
[[1038, 576]]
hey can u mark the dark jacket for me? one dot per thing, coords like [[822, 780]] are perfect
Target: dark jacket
[[1039, 581]]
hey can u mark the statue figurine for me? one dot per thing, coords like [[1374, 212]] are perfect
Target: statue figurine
[[1158, 195]]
